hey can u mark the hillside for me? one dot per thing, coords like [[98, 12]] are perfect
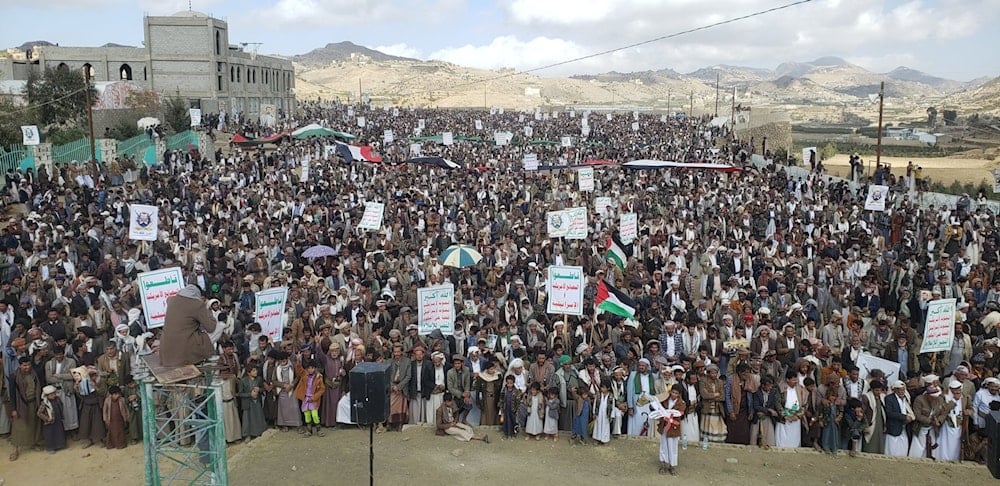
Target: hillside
[[343, 51]]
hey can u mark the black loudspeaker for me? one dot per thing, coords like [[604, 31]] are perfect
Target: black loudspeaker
[[993, 451], [370, 393]]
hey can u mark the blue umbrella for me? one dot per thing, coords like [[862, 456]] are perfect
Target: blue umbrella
[[460, 256], [319, 251]]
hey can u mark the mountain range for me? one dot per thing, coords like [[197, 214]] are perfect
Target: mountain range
[[825, 80], [335, 69]]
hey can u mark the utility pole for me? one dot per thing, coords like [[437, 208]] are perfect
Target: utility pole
[[360, 97], [90, 113], [732, 116], [691, 113], [716, 95], [878, 145], [485, 105]]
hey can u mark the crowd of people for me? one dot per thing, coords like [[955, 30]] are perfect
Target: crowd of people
[[755, 293]]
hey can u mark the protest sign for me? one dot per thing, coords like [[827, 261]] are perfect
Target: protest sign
[[866, 363], [565, 290], [585, 179], [372, 218], [155, 288], [557, 223], [447, 138], [270, 311], [577, 223], [530, 161], [30, 135], [601, 205], [566, 141], [876, 198], [361, 122], [436, 309], [387, 136], [628, 227], [143, 222], [195, 114], [939, 331]]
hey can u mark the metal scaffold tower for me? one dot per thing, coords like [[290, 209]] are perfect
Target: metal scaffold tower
[[183, 432]]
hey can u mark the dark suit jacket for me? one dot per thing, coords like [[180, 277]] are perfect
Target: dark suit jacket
[[895, 419], [765, 403], [423, 371]]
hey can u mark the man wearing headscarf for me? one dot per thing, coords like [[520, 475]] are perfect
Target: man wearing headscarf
[[640, 389], [930, 413], [188, 330]]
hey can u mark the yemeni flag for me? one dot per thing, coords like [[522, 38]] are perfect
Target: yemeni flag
[[610, 299], [355, 153], [617, 251]]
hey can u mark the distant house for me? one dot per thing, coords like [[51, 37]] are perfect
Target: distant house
[[898, 133], [928, 138]]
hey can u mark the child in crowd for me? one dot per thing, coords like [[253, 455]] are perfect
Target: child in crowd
[[551, 427], [855, 424], [309, 391], [534, 412], [510, 403], [116, 415], [581, 416], [51, 414], [604, 405]]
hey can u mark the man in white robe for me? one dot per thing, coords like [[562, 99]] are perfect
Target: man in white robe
[[640, 390]]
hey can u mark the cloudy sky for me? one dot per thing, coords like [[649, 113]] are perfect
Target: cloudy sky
[[948, 38]]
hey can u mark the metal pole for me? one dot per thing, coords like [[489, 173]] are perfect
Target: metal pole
[[149, 433], [732, 117], [716, 95], [90, 113], [371, 454], [878, 146]]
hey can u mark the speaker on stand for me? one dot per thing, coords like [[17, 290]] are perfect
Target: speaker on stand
[[370, 403]]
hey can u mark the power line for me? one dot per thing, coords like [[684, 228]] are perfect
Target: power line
[[630, 46], [38, 105]]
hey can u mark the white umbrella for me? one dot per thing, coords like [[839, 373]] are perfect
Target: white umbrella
[[147, 122]]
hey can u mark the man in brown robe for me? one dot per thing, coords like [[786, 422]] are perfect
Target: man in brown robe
[[188, 329], [25, 429]]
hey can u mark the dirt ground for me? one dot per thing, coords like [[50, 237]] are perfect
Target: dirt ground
[[416, 456], [940, 169]]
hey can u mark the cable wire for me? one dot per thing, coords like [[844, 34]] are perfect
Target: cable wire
[[630, 46]]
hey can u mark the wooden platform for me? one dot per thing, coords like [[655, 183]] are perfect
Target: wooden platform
[[169, 375]]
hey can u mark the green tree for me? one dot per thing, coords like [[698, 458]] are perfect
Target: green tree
[[11, 119], [175, 114], [828, 151], [59, 96]]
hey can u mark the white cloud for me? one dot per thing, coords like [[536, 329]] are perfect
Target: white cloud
[[566, 12], [170, 7], [850, 28], [509, 51], [330, 13], [401, 50]]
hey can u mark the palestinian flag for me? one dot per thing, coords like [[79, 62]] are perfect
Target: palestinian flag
[[610, 299], [618, 252]]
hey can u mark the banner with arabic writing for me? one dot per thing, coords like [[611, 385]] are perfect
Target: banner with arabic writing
[[436, 309], [155, 287], [270, 311], [939, 333], [565, 290]]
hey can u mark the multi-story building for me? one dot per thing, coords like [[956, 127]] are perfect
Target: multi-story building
[[187, 54]]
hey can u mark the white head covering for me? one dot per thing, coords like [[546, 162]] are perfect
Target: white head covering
[[517, 363]]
